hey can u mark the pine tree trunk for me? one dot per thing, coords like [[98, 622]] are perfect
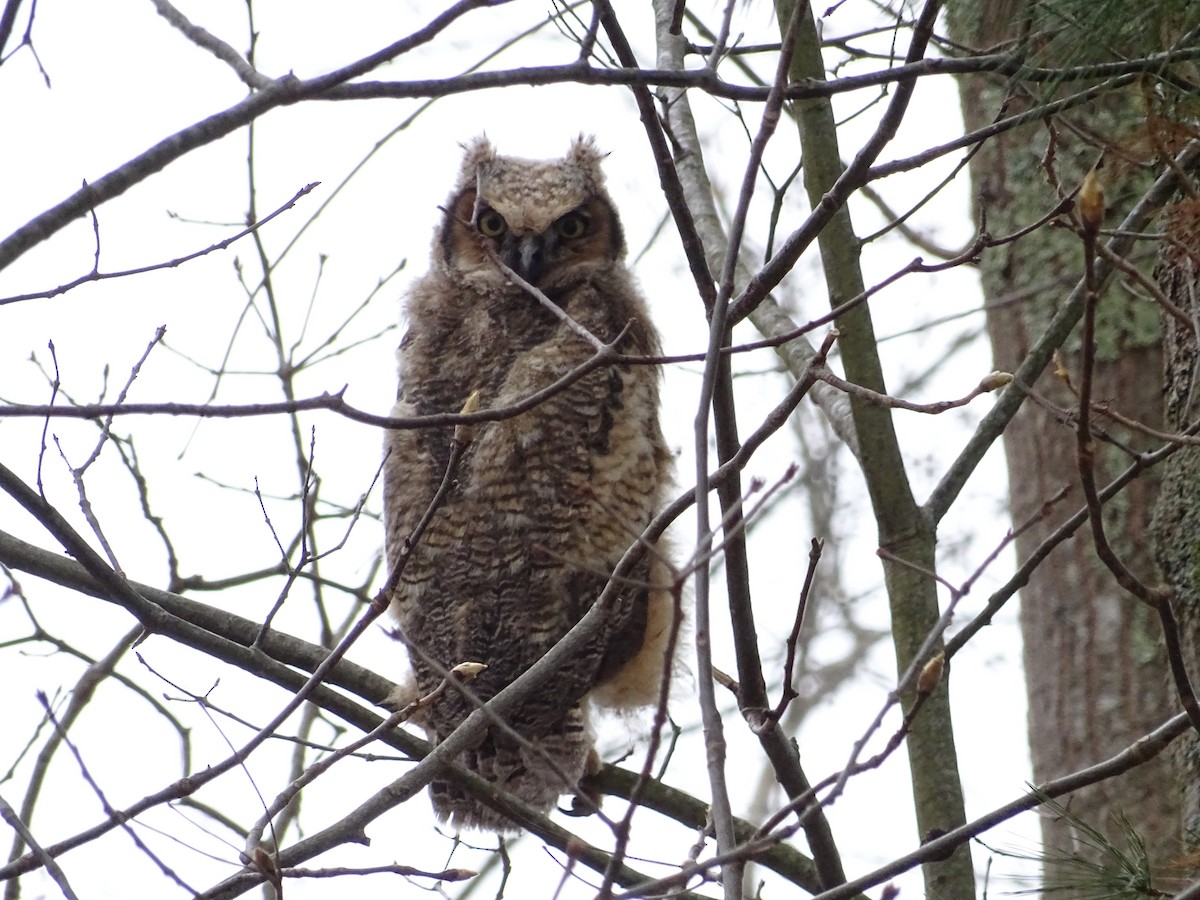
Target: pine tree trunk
[[1176, 524], [1095, 669]]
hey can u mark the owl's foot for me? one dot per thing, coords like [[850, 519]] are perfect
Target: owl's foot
[[590, 797]]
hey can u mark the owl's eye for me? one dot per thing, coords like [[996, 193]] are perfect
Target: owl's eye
[[491, 224], [571, 226]]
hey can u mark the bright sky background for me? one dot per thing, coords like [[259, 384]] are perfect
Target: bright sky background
[[122, 80]]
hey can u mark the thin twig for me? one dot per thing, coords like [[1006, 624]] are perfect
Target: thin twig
[[716, 395], [314, 771], [284, 90], [789, 691], [214, 45], [1138, 753], [549, 305], [987, 384], [1160, 597], [108, 808], [57, 875], [335, 403], [1009, 402], [97, 275], [150, 613]]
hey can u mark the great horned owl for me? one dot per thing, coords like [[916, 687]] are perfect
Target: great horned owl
[[542, 505]]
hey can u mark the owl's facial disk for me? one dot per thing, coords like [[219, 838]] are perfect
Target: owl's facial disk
[[529, 252], [535, 241]]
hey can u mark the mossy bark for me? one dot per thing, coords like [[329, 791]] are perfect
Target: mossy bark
[[1095, 668]]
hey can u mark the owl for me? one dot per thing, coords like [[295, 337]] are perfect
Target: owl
[[543, 505]]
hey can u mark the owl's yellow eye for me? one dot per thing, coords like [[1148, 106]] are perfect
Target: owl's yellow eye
[[491, 224], [571, 226]]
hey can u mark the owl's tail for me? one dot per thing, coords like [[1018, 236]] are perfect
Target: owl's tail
[[536, 769]]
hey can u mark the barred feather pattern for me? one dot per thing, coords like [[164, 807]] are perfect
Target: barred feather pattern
[[542, 505]]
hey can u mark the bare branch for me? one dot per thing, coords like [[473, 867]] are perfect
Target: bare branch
[[214, 45], [97, 275]]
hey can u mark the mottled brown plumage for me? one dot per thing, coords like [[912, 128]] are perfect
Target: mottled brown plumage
[[544, 504]]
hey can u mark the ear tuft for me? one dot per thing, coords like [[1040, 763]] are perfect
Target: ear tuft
[[476, 152], [585, 153]]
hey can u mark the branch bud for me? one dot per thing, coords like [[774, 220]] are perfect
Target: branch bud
[[1091, 202], [464, 434], [468, 670], [931, 674], [994, 381]]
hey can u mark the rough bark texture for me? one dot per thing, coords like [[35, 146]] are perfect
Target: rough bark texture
[[1176, 524], [1095, 669]]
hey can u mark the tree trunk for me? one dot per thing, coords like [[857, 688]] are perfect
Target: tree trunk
[[1095, 669], [1177, 517]]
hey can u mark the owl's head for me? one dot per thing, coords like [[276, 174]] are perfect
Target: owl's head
[[541, 217]]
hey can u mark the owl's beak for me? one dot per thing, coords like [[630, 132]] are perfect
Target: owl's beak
[[528, 256]]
